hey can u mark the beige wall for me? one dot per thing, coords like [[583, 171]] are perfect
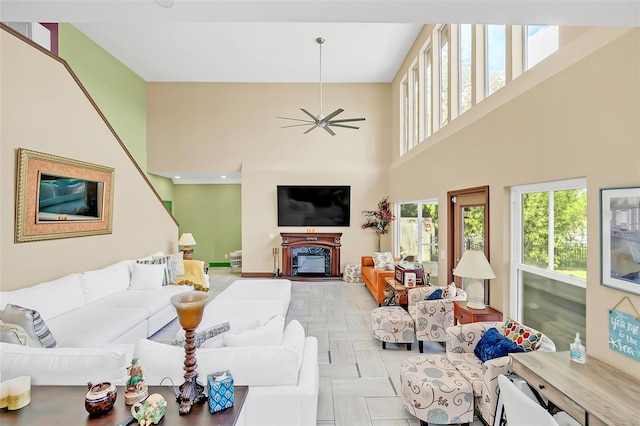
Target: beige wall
[[43, 109], [226, 127], [583, 121]]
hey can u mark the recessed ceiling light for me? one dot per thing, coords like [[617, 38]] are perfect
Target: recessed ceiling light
[[176, 177], [223, 177]]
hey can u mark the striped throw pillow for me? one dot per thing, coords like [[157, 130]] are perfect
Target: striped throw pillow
[[31, 321]]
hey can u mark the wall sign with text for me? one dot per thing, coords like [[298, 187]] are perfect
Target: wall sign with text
[[624, 334]]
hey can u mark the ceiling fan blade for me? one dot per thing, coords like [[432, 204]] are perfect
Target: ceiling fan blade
[[312, 127], [315, 119], [343, 125], [333, 114], [345, 120], [295, 125], [331, 132], [297, 119]]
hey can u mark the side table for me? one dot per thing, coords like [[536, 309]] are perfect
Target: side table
[[399, 291], [464, 315]]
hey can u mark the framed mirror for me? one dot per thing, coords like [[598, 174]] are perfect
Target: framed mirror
[[59, 197]]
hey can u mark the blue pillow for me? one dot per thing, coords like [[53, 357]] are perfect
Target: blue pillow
[[437, 294], [494, 345]]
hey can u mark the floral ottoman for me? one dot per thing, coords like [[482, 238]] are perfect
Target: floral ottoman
[[434, 391], [392, 324], [351, 273]]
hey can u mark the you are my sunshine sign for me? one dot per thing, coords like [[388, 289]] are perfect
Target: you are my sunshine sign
[[624, 334]]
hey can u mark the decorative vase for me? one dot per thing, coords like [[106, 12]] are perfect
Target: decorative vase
[[190, 306]]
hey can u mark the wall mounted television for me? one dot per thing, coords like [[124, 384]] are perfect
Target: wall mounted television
[[317, 205]]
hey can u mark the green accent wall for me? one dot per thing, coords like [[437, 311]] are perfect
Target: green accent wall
[[120, 94], [212, 213]]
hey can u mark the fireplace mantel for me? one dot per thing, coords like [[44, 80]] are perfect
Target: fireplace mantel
[[327, 240]]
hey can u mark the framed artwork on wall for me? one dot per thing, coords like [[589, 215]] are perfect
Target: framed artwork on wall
[[620, 238], [59, 197]]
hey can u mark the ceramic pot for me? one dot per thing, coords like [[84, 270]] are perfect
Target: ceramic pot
[[100, 398]]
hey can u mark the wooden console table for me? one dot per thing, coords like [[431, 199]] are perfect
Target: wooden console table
[[52, 405], [464, 315], [593, 393]]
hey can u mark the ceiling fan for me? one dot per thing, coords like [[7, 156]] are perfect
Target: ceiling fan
[[324, 122]]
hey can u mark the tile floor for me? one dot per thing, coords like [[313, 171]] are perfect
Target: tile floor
[[359, 382]]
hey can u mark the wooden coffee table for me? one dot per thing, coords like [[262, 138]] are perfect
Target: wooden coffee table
[[64, 405]]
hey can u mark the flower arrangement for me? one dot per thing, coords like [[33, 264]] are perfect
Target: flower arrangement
[[378, 220]]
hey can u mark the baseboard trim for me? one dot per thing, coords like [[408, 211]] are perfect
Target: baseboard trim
[[219, 264], [256, 274]]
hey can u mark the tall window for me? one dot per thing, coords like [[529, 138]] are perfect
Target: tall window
[[549, 267], [405, 115], [417, 229], [540, 41], [496, 59], [414, 104], [444, 75], [464, 73], [428, 93]]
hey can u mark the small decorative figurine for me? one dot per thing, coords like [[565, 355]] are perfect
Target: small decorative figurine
[[100, 398], [136, 389], [151, 412]]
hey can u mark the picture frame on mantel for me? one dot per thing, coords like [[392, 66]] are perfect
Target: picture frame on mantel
[[620, 238], [59, 197]]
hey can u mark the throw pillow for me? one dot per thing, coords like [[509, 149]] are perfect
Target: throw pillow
[[165, 261], [294, 335], [146, 276], [494, 345], [523, 336], [204, 335], [177, 264], [269, 334], [31, 321], [435, 295], [383, 260], [452, 290], [13, 333]]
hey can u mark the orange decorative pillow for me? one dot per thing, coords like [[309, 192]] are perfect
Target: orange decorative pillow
[[523, 336]]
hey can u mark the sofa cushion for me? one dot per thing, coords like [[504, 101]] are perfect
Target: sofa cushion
[[31, 321], [250, 365], [104, 282], [147, 276], [95, 326], [63, 366], [13, 333], [44, 297], [152, 301], [471, 369], [294, 335], [494, 345], [269, 333], [383, 260], [521, 335]]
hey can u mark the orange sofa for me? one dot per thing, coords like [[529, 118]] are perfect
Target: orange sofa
[[373, 278]]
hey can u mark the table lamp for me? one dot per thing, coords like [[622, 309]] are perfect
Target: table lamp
[[474, 266], [186, 240], [190, 306]]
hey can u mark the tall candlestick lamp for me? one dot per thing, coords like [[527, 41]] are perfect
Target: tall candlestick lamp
[[190, 306]]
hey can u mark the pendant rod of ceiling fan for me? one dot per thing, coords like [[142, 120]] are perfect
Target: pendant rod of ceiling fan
[[320, 40]]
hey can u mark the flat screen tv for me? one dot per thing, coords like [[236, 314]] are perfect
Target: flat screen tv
[[314, 205]]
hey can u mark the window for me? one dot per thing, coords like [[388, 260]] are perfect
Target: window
[[428, 93], [549, 264], [444, 75], [464, 73], [417, 230], [540, 41], [404, 102], [496, 57], [414, 104]]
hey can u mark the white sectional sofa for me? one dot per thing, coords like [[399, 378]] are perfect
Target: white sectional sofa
[[283, 377]]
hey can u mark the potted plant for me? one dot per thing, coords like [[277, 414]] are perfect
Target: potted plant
[[379, 220]]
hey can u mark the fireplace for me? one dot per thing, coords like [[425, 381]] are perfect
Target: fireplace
[[311, 256]]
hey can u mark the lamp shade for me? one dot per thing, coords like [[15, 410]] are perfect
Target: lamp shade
[[187, 239], [474, 264]]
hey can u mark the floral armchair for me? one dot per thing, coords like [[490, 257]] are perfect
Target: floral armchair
[[431, 317], [483, 376]]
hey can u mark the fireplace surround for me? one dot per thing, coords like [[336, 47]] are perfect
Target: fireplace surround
[[311, 256]]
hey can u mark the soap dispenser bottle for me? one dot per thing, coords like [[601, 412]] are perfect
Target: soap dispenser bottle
[[577, 350]]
